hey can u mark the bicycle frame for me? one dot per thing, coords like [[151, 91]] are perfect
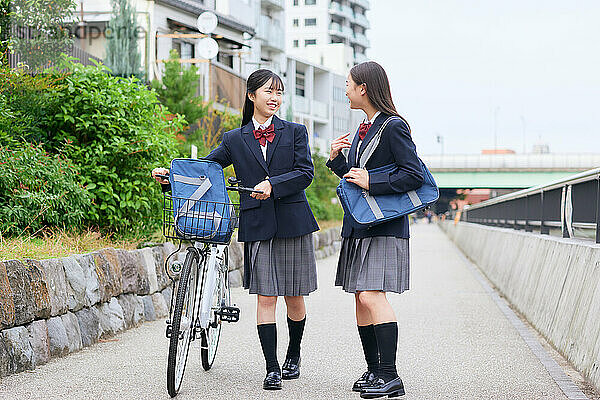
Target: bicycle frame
[[212, 271]]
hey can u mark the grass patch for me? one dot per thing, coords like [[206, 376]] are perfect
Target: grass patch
[[59, 243]]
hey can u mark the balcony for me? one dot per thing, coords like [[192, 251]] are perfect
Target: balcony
[[320, 110], [360, 58], [361, 19], [361, 40], [363, 3], [340, 10], [276, 5], [271, 33], [301, 104]]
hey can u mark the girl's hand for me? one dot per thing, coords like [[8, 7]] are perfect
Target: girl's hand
[[359, 177], [265, 187], [338, 144], [160, 171]]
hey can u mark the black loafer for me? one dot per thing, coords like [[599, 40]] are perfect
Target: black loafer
[[272, 381], [380, 388], [364, 381], [291, 369]]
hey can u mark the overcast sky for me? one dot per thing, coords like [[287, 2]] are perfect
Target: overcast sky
[[454, 64]]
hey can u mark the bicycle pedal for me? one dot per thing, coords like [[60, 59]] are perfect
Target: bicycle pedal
[[229, 314]]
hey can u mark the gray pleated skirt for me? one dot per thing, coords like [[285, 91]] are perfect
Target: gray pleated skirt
[[280, 266], [375, 263]]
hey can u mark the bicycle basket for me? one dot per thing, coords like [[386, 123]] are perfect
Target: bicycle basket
[[206, 221], [199, 208]]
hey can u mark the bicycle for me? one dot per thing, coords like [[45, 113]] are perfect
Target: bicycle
[[201, 300]]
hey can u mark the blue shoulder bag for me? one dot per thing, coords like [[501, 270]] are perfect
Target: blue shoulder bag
[[201, 206], [368, 210]]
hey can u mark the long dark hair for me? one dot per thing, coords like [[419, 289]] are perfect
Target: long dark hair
[[378, 87], [256, 80]]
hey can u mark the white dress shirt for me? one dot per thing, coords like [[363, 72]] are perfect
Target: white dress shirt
[[258, 126], [371, 121]]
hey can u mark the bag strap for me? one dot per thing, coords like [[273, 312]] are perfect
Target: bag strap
[[372, 145]]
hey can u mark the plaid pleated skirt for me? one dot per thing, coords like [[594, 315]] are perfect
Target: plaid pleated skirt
[[373, 263], [280, 266]]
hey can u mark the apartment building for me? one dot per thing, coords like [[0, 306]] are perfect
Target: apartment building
[[223, 78], [331, 33], [315, 97]]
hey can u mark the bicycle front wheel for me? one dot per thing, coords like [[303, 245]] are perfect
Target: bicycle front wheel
[[183, 330], [210, 336]]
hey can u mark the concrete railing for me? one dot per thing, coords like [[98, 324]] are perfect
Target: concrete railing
[[50, 308], [554, 282]]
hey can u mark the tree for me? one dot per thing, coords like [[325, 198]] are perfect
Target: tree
[[4, 30], [39, 33], [177, 91], [122, 55]]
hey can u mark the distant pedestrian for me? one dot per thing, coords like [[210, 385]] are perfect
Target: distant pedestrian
[[375, 261]]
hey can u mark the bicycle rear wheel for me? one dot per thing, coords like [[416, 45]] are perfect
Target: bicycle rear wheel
[[182, 331], [210, 336]]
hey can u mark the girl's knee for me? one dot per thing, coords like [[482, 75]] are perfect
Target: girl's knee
[[369, 298], [267, 301]]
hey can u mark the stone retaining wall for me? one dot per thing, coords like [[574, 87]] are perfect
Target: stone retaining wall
[[54, 307], [553, 282]]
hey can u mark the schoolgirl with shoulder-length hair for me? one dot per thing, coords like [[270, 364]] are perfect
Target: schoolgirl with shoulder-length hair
[[375, 261], [272, 156]]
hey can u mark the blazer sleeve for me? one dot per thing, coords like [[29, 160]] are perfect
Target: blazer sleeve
[[221, 154], [338, 165], [409, 175], [302, 173]]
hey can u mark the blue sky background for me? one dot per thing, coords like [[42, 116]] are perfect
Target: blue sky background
[[454, 65]]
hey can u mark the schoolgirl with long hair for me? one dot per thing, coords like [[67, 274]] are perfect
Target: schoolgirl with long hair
[[272, 156], [375, 261]]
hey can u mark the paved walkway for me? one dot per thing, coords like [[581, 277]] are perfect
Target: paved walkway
[[454, 343]]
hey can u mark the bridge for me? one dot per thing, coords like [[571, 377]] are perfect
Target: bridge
[[505, 171]]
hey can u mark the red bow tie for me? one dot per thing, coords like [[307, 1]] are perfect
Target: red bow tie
[[363, 129], [262, 135]]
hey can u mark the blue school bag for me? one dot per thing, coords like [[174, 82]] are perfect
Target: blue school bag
[[368, 210], [201, 207]]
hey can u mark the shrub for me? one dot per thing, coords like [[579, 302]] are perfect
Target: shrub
[[25, 101], [322, 190], [177, 90], [39, 190], [115, 131]]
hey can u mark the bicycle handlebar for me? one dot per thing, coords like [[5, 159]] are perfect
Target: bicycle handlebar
[[240, 189]]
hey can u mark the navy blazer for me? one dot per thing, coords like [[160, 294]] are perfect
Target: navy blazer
[[288, 167], [396, 147]]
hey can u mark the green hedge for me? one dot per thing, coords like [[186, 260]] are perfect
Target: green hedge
[[38, 190], [113, 130], [116, 131]]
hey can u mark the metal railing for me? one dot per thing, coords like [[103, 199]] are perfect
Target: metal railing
[[568, 204]]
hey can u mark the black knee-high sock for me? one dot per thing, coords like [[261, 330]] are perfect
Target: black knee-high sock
[[296, 329], [267, 334], [369, 345], [387, 343]]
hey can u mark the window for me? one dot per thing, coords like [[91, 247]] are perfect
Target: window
[[295, 42], [184, 49], [299, 83], [296, 22], [340, 124], [310, 22], [310, 2], [339, 94], [310, 42]]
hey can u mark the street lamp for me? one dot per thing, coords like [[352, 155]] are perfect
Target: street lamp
[[440, 140]]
